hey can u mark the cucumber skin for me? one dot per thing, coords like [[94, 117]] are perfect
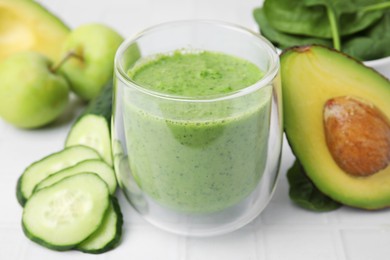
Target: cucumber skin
[[118, 235], [111, 188], [101, 105], [19, 194], [45, 243]]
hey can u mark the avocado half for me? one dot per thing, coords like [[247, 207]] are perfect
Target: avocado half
[[312, 75], [27, 25]]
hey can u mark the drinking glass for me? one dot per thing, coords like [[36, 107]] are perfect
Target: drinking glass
[[197, 165]]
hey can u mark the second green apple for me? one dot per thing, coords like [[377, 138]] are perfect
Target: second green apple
[[32, 94], [93, 48]]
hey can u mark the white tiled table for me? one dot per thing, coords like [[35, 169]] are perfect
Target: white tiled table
[[282, 232]]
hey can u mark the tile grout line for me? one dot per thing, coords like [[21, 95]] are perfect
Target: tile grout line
[[337, 240], [310, 226], [260, 250], [182, 246], [339, 245]]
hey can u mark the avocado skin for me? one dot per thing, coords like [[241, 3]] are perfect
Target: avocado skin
[[38, 29], [311, 75]]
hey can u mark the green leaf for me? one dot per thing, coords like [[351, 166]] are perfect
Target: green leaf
[[310, 17], [333, 11], [373, 43], [305, 194], [382, 28], [294, 17], [369, 6], [365, 48], [283, 40]]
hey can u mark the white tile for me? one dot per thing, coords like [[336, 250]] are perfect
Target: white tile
[[289, 214], [367, 244], [128, 17], [12, 243], [260, 247], [302, 244], [146, 244], [237, 245], [74, 13], [11, 211], [357, 217], [171, 10], [216, 10], [35, 252], [246, 7]]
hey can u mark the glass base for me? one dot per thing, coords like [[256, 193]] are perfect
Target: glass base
[[202, 224]]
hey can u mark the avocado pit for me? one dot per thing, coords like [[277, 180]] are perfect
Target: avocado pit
[[357, 135]]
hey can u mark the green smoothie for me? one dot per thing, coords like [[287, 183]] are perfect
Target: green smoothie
[[197, 156]]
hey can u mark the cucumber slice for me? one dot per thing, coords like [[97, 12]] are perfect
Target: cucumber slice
[[41, 169], [63, 215], [108, 235], [92, 128], [96, 166]]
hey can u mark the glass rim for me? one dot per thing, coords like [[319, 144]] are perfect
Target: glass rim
[[264, 81]]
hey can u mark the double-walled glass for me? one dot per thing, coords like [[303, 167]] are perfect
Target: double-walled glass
[[193, 165]]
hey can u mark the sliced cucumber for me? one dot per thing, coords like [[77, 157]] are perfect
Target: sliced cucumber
[[41, 169], [94, 165], [92, 128], [109, 233], [63, 215]]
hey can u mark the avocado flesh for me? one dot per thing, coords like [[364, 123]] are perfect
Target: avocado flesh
[[26, 25], [312, 75]]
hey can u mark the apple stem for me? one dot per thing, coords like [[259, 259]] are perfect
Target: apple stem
[[66, 57]]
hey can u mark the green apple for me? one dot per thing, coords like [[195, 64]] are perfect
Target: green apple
[[31, 94], [93, 48]]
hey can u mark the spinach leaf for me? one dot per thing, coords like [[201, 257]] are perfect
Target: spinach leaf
[[346, 17], [283, 40], [373, 44], [333, 10], [311, 17], [305, 194], [294, 17], [358, 27]]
